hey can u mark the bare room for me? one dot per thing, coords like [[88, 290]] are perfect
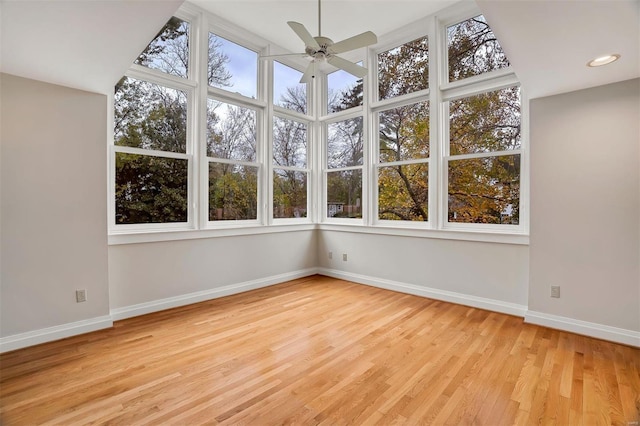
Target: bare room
[[337, 212]]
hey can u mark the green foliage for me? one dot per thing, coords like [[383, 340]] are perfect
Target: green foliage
[[233, 192], [344, 188], [150, 189], [154, 189], [289, 193]]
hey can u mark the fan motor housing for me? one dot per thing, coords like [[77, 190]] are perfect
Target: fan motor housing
[[325, 43]]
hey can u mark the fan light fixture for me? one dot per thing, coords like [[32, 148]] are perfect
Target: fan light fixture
[[323, 49], [603, 60]]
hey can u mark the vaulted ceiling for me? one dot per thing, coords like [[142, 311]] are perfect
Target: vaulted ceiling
[[89, 44]]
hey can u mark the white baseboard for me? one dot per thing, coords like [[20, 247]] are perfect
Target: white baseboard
[[618, 335], [432, 293], [201, 296], [591, 329], [49, 334]]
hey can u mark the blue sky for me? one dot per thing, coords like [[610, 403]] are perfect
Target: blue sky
[[243, 66]]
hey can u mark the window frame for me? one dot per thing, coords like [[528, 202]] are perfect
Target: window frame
[[333, 118], [188, 86], [439, 92], [405, 100], [283, 113], [464, 88]]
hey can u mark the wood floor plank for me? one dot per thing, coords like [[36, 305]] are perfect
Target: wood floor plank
[[322, 351]]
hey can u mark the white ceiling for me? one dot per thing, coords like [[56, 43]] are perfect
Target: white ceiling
[[84, 44], [550, 42], [88, 44], [340, 18]]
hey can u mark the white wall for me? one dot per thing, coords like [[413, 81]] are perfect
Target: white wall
[[585, 205], [152, 272], [585, 225], [53, 194], [494, 271]]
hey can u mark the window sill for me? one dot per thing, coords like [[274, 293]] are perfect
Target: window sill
[[192, 234], [443, 234]]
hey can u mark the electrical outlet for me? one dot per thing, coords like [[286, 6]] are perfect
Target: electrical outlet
[[555, 291], [81, 296], [330, 255], [344, 257]]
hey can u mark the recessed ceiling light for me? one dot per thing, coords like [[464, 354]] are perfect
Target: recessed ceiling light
[[603, 60]]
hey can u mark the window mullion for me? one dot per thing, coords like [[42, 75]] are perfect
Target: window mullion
[[436, 130], [202, 174]]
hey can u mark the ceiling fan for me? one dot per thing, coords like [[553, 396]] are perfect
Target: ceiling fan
[[321, 49]]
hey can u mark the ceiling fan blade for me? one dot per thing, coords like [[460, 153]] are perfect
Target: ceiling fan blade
[[356, 42], [348, 66], [309, 73], [304, 35], [283, 55]]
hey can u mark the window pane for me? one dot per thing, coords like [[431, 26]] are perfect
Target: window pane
[[485, 190], [404, 69], [289, 194], [345, 91], [150, 189], [288, 92], [233, 192], [169, 50], [403, 192], [231, 131], [344, 144], [486, 122], [232, 67], [404, 133], [473, 49], [149, 116], [289, 143], [344, 194]]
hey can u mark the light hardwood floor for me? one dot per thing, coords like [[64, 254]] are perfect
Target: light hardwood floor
[[322, 351]]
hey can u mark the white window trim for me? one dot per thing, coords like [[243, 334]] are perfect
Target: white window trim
[[198, 226]]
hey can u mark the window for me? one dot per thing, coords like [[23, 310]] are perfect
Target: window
[[430, 139], [288, 92], [404, 69], [402, 163], [484, 160], [344, 91], [403, 169], [164, 152], [473, 49], [151, 152], [290, 172], [483, 153], [232, 157], [232, 67], [169, 50], [345, 143]]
